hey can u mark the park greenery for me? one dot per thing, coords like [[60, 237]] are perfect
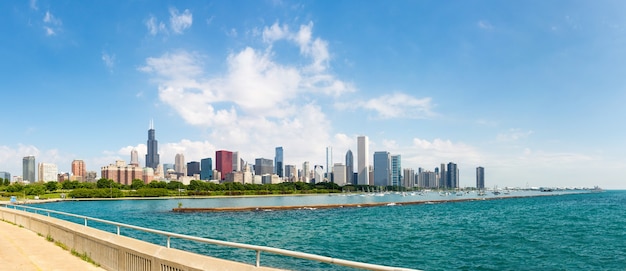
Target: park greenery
[[106, 188]]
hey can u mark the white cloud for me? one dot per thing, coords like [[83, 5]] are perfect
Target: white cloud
[[396, 105], [314, 48], [154, 26], [180, 22], [513, 135], [257, 102], [484, 25], [49, 31], [108, 60], [52, 25]]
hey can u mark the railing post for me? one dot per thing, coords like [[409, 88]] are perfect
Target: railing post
[[258, 258], [48, 214], [118, 230], [85, 222], [168, 241]]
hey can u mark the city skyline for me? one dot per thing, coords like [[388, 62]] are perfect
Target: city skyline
[[527, 96]]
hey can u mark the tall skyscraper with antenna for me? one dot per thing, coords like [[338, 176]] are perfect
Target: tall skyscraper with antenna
[[152, 158]]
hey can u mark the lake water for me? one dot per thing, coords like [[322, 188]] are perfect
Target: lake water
[[565, 232]]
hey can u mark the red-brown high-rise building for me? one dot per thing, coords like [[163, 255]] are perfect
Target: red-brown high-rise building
[[79, 172], [224, 162]]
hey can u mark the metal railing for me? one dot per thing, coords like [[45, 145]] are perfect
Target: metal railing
[[258, 249]]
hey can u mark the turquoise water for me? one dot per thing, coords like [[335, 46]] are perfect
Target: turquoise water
[[565, 232]]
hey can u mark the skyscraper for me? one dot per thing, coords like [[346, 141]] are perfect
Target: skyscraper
[[382, 168], [443, 177], [452, 177], [279, 162], [79, 171], [48, 172], [480, 178], [236, 164], [263, 166], [396, 170], [306, 172], [409, 178], [318, 174], [152, 158], [291, 173], [339, 174], [363, 161], [224, 162], [206, 169], [28, 169], [350, 168], [193, 168], [134, 157], [179, 164]]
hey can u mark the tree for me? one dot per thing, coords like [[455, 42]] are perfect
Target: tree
[[137, 184], [70, 185], [104, 183], [52, 186], [157, 184], [175, 185], [35, 189], [16, 187]]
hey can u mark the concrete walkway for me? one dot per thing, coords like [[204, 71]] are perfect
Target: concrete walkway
[[24, 250]]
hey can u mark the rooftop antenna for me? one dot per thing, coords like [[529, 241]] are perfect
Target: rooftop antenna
[[152, 124]]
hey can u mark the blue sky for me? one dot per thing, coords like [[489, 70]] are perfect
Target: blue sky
[[531, 90]]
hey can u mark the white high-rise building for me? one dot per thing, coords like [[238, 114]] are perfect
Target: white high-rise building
[[236, 164], [179, 164], [363, 160], [48, 172], [306, 172], [329, 160], [339, 174], [134, 157]]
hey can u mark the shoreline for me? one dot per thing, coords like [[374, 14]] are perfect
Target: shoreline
[[321, 206], [348, 205]]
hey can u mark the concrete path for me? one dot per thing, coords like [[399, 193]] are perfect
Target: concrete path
[[24, 250]]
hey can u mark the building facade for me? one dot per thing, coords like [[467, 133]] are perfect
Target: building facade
[[279, 162], [339, 174], [152, 157], [396, 170], [206, 169], [409, 178], [179, 164], [122, 173], [263, 166], [452, 176], [224, 162], [134, 157], [350, 168], [47, 172], [79, 171], [193, 168], [291, 174], [363, 160], [382, 168], [28, 169], [306, 172], [480, 178]]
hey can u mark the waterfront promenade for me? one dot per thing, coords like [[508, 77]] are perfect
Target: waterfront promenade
[[24, 250]]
